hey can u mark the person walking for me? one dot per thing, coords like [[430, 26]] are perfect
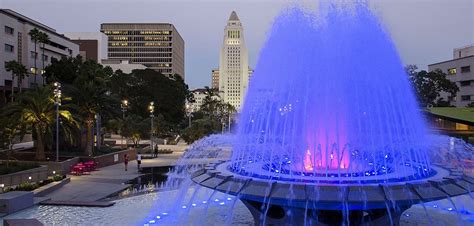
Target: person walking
[[139, 160], [155, 154], [125, 161]]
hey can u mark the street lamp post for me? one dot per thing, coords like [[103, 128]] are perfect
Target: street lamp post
[[228, 114], [151, 108], [57, 103], [189, 112], [124, 106]]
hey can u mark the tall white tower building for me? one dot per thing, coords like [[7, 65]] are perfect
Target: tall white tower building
[[233, 65]]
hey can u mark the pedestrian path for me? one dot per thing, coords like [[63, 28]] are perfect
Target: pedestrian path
[[109, 180]]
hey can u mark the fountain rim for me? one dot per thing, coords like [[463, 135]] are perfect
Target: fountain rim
[[448, 183]]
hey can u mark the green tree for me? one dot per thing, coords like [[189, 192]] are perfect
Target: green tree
[[35, 35], [87, 83], [43, 38], [144, 86], [36, 109], [90, 99], [211, 104], [430, 85], [136, 128], [213, 114], [64, 70], [199, 129], [18, 70], [10, 128]]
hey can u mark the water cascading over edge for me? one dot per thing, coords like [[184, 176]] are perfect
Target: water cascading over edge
[[330, 101]]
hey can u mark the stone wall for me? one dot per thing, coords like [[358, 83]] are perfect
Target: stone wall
[[37, 174], [113, 158], [60, 168]]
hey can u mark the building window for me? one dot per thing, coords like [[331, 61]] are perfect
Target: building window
[[465, 83], [452, 71], [8, 48], [9, 30], [466, 69], [466, 98], [45, 57], [34, 55]]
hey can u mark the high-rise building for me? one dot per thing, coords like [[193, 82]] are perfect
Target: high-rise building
[[92, 45], [233, 65], [215, 79], [18, 45], [461, 71], [158, 46]]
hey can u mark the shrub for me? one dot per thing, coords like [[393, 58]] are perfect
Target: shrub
[[58, 177], [165, 151], [26, 186]]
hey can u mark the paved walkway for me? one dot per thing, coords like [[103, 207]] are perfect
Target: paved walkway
[[111, 179]]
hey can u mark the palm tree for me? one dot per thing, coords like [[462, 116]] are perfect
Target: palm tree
[[18, 70], [91, 98], [43, 38], [35, 36], [210, 103], [36, 109]]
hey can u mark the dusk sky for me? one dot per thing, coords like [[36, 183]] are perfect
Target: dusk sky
[[425, 31]]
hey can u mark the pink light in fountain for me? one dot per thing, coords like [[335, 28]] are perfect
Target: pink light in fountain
[[308, 162], [326, 137]]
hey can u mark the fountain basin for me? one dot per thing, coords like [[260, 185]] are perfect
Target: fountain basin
[[281, 201]]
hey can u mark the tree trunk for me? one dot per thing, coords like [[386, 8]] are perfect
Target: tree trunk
[[13, 78], [83, 142], [42, 59], [9, 153], [36, 56], [40, 145], [89, 137], [19, 83]]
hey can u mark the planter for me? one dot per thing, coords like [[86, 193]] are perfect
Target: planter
[[53, 186], [61, 168], [14, 201], [36, 174]]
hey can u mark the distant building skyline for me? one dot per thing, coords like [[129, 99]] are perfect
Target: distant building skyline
[[419, 33]]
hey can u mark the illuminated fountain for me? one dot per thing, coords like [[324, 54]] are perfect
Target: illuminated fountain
[[331, 132]]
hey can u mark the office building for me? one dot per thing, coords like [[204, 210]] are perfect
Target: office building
[[459, 70], [92, 45], [215, 79], [199, 95], [17, 45], [158, 46]]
